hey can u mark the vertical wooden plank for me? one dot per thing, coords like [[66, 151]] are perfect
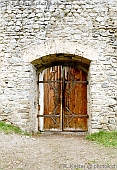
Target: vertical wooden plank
[[84, 96], [67, 96], [80, 101], [61, 104], [77, 98], [72, 97], [45, 98], [51, 100]]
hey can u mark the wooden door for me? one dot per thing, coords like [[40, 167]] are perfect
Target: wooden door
[[65, 99]]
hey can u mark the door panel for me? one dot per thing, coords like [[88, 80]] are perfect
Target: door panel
[[52, 94], [65, 99], [75, 100]]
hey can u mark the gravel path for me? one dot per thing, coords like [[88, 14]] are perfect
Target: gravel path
[[54, 152]]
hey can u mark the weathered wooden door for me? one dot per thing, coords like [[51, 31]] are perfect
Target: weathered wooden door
[[64, 99]]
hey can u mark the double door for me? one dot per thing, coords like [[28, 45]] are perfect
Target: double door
[[63, 99]]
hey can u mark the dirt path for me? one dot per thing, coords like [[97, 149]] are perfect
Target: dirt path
[[54, 152]]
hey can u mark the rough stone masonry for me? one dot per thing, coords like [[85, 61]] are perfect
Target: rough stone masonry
[[33, 32]]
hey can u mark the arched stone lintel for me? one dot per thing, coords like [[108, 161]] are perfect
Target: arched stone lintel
[[58, 46], [61, 59]]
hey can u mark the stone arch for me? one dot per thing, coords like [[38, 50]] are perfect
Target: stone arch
[[60, 51], [61, 59]]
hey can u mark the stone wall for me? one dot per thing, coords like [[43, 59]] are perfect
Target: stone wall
[[26, 25]]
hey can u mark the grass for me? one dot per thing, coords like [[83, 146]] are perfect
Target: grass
[[9, 128], [108, 139]]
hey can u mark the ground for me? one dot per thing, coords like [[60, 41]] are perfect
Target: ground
[[54, 152]]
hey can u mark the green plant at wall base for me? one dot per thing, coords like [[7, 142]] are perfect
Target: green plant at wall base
[[8, 128], [108, 139]]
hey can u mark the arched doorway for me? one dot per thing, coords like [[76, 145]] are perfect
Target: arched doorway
[[53, 53], [63, 99]]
